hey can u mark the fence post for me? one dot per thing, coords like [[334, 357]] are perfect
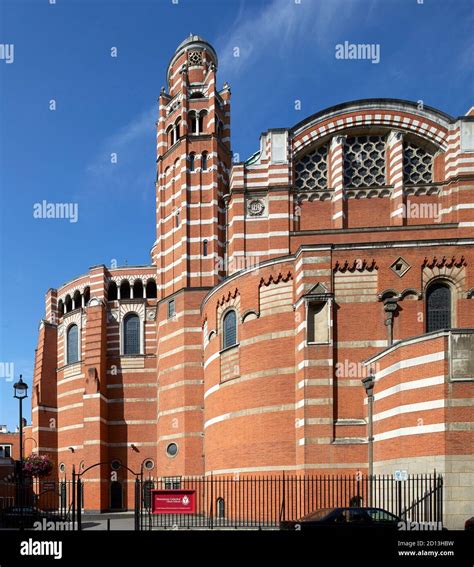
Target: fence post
[[282, 506], [73, 504], [137, 504], [79, 503], [211, 511]]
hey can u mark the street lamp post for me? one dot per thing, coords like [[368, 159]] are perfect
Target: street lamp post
[[21, 392], [368, 383]]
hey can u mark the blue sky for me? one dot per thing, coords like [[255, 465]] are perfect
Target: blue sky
[[106, 105]]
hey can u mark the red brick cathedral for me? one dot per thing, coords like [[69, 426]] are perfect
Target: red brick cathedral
[[340, 252]]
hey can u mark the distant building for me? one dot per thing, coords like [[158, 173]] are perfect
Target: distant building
[[10, 449], [343, 247]]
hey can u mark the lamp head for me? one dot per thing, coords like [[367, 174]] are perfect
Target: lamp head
[[21, 389]]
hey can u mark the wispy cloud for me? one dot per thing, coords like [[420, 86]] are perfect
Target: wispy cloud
[[123, 158], [279, 26]]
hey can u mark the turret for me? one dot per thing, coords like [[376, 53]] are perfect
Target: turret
[[193, 162]]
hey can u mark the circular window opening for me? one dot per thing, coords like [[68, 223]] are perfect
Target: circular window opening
[[149, 465], [115, 465], [172, 450], [62, 467]]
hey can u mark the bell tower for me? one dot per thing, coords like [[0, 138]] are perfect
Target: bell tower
[[193, 166]]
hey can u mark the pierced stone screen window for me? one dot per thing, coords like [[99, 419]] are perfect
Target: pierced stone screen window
[[229, 325], [72, 344], [195, 58], [438, 307], [417, 165], [311, 170], [364, 161], [131, 339]]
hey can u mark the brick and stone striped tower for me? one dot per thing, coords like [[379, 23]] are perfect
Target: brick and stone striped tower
[[193, 163]]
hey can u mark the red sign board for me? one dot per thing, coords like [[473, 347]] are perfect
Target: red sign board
[[173, 501]]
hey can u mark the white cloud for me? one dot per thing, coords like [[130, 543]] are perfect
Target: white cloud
[[278, 27], [131, 144]]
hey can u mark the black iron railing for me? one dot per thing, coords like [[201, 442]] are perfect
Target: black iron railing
[[264, 501]]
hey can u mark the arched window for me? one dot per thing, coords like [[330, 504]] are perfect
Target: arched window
[[72, 338], [125, 290], [87, 296], [138, 289], [201, 121], [68, 302], [197, 94], [204, 161], [131, 334], [61, 308], [438, 307], [177, 129], [194, 123], [192, 158], [112, 291], [170, 136], [151, 289], [77, 300], [204, 248], [229, 326]]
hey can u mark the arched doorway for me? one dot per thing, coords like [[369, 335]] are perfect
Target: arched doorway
[[220, 508], [116, 495]]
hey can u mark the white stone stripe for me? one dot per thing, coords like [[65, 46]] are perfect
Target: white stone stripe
[[409, 408], [247, 412], [409, 362], [414, 430]]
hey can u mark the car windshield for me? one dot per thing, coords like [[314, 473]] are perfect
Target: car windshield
[[318, 514], [381, 515]]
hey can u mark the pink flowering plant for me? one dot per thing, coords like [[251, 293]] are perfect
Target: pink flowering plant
[[37, 465]]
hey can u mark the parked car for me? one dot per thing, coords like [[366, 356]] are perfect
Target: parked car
[[15, 517], [344, 517], [469, 525]]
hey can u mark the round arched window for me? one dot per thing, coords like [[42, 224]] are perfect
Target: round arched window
[[72, 344], [438, 307], [131, 334], [229, 329]]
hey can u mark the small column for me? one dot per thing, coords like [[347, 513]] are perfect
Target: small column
[[336, 180], [395, 178]]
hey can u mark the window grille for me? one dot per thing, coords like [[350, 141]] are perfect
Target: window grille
[[417, 165], [230, 329], [364, 161], [311, 170], [438, 308], [131, 343], [195, 58], [72, 344]]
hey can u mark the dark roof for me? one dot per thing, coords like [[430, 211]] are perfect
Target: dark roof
[[373, 101]]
